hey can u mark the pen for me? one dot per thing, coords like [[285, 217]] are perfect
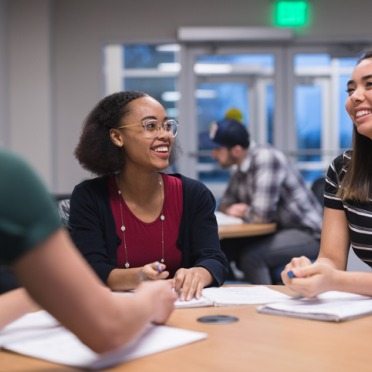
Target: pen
[[290, 274], [158, 268]]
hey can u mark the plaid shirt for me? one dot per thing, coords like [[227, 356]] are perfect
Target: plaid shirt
[[274, 191]]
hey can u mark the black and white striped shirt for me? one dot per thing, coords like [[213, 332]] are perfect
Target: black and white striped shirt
[[359, 215]]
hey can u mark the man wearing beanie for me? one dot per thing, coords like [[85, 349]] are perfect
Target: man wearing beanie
[[264, 187]]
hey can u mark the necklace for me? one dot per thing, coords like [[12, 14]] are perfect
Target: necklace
[[123, 228]]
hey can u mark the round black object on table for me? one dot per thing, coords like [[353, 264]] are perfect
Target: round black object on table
[[218, 319]]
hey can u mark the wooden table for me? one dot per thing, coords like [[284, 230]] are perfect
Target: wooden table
[[245, 230], [257, 342]]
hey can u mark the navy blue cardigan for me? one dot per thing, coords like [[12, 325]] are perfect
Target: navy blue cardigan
[[93, 228]]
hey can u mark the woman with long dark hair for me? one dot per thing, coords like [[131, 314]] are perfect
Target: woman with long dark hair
[[348, 204]]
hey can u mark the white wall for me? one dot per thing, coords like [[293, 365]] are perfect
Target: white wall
[[29, 92], [53, 60], [3, 76]]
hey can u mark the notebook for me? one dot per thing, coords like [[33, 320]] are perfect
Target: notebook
[[232, 296], [330, 306]]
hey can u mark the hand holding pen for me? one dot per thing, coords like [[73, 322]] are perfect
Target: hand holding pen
[[154, 271], [290, 269], [309, 279]]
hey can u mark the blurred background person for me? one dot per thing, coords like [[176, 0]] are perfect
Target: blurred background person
[[264, 187]]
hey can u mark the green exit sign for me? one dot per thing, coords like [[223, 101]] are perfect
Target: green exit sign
[[291, 13]]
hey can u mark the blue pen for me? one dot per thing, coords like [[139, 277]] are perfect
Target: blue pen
[[290, 274], [158, 267]]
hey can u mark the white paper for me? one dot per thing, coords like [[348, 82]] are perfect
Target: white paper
[[201, 302], [57, 344], [230, 296], [225, 296], [26, 326], [329, 306], [224, 219]]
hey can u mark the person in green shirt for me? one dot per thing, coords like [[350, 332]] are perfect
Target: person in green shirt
[[45, 261]]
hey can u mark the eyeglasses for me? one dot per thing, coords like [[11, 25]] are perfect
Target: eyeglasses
[[152, 128]]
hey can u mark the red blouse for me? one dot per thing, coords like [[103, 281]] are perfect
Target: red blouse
[[144, 239]]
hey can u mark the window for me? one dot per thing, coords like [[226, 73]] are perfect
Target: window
[[246, 79], [153, 69], [323, 128]]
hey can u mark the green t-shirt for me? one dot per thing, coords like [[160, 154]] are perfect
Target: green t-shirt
[[28, 214]]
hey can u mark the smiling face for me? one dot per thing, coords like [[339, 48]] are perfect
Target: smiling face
[[359, 102], [150, 153]]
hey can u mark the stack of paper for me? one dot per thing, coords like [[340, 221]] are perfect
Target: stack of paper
[[39, 335], [330, 306], [230, 296]]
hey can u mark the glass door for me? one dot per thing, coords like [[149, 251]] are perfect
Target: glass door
[[290, 96], [240, 81], [323, 128]]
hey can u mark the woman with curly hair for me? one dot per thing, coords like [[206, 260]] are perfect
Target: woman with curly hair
[[134, 222]]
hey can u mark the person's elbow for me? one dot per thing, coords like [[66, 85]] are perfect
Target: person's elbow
[[107, 344], [108, 340]]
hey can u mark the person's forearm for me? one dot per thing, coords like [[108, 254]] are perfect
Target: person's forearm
[[14, 304], [84, 306], [124, 279], [327, 261], [354, 282]]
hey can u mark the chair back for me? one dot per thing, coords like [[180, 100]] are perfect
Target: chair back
[[318, 189], [63, 207], [7, 279]]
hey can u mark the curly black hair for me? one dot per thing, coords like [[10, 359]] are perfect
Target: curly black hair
[[95, 150]]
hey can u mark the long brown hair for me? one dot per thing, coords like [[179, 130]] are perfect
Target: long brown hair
[[357, 183]]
